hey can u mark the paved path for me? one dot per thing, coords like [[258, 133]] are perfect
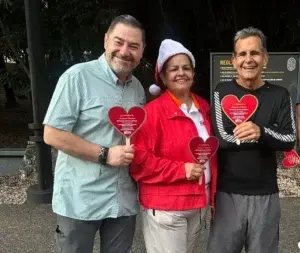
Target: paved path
[[29, 229]]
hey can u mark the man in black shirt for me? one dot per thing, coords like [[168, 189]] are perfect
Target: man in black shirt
[[247, 201]]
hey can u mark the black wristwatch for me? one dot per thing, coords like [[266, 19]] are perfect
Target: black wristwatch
[[102, 158]]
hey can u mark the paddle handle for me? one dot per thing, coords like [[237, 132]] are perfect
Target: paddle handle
[[127, 141], [200, 180]]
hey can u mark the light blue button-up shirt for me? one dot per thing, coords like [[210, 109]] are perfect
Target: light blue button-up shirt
[[80, 103]]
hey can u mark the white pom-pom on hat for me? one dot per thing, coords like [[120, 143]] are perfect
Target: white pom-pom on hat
[[154, 90]]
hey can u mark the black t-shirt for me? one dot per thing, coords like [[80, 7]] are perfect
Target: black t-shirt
[[251, 167]]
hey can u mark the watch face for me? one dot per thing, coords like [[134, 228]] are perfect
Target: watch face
[[100, 157], [103, 155]]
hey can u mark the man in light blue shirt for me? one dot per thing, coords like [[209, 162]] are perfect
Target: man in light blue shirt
[[93, 190]]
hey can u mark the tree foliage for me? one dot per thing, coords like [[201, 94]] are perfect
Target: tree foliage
[[73, 30]]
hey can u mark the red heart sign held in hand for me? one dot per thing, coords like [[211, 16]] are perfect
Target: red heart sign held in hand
[[291, 159], [202, 150], [239, 111], [127, 123]]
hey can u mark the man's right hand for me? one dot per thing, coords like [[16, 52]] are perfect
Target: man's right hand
[[193, 170], [120, 155]]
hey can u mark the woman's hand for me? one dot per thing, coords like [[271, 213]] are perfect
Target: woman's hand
[[193, 170]]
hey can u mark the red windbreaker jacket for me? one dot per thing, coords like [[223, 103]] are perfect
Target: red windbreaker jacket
[[161, 150]]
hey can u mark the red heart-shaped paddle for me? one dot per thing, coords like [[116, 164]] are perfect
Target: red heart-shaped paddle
[[202, 150], [239, 111], [127, 123], [291, 159]]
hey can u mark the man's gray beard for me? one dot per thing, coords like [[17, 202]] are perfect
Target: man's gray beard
[[118, 70], [121, 70]]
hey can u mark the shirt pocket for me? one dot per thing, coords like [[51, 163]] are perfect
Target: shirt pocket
[[97, 108]]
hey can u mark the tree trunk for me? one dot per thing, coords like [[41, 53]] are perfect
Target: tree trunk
[[11, 101]]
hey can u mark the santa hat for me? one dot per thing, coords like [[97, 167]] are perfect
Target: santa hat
[[167, 49]]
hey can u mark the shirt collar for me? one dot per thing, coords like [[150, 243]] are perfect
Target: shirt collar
[[179, 102], [183, 106]]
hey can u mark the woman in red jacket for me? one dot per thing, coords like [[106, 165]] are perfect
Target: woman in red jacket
[[174, 191]]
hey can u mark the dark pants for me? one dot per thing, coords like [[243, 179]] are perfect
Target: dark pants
[[245, 221], [77, 236]]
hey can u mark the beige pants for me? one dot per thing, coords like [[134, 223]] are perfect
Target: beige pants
[[172, 232]]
